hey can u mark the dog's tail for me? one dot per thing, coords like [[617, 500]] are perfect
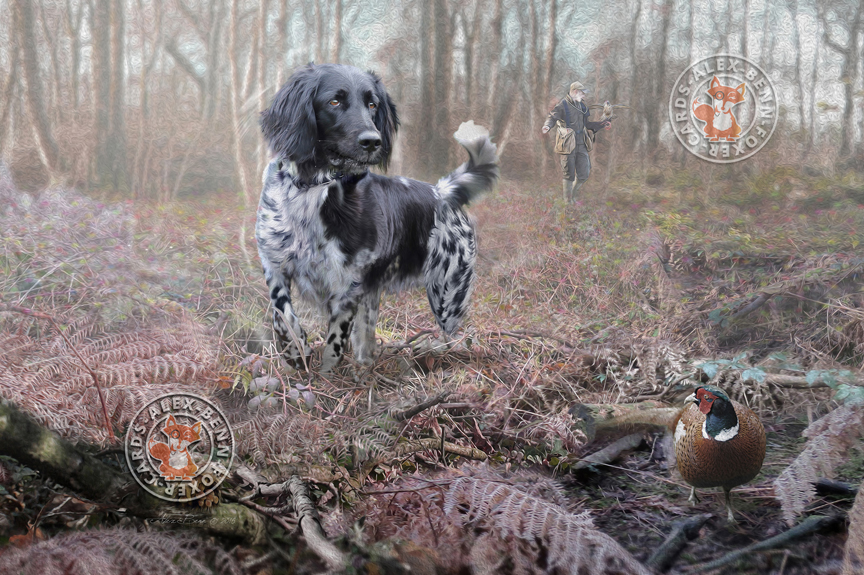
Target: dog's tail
[[472, 178]]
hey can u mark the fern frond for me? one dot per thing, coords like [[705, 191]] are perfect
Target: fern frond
[[525, 526], [853, 560], [829, 441], [119, 552]]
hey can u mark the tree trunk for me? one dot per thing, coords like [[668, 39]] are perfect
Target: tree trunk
[[551, 46], [814, 77], [7, 101], [470, 56], [263, 59], [658, 106], [100, 26], [493, 95], [283, 42], [25, 25], [239, 166], [443, 74], [73, 27], [848, 73], [796, 41], [634, 76], [336, 47], [319, 32], [214, 50], [117, 134], [766, 32], [425, 120], [56, 103]]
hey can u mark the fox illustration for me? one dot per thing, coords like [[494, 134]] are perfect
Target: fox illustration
[[719, 120], [176, 460]]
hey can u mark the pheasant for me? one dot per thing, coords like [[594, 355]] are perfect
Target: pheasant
[[718, 443]]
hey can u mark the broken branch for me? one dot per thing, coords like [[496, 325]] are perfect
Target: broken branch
[[663, 558], [610, 453], [409, 413], [810, 525], [310, 524]]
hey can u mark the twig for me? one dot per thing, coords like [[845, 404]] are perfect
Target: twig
[[752, 306], [409, 413], [663, 558], [435, 443], [38, 315], [310, 524], [810, 525]]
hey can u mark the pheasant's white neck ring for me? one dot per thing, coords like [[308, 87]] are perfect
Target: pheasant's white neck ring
[[723, 434]]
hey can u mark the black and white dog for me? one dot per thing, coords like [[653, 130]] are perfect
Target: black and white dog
[[340, 233]]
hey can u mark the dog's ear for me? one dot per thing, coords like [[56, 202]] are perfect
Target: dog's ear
[[289, 124], [386, 120]]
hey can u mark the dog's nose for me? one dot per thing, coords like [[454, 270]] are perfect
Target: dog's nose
[[370, 141]]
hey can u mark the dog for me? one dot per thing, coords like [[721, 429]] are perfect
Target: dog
[[342, 234]]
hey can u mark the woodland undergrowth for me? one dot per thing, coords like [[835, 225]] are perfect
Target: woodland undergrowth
[[634, 295]]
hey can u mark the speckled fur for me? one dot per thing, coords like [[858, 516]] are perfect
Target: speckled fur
[[710, 463], [341, 237]]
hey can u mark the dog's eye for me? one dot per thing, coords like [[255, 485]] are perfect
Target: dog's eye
[[372, 105], [334, 102]]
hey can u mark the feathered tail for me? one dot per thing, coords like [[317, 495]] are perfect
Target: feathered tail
[[449, 267], [475, 176]]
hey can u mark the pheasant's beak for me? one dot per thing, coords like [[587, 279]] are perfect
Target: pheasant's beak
[[691, 399]]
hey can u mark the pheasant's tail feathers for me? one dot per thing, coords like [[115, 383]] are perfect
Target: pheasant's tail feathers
[[478, 174]]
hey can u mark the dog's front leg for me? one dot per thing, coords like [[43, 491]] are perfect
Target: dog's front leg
[[363, 333], [341, 317], [290, 336]]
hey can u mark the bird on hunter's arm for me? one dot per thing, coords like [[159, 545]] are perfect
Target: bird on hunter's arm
[[608, 110], [718, 443]]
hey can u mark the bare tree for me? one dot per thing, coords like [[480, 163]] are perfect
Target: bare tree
[[25, 27], [8, 99], [73, 29], [239, 163], [336, 46], [117, 131], [655, 109], [849, 55]]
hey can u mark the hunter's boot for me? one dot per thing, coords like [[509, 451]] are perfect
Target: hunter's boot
[[568, 186], [573, 193]]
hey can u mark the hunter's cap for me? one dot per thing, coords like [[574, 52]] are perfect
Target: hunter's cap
[[578, 86]]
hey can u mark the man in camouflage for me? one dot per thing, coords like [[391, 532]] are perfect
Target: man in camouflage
[[576, 165]]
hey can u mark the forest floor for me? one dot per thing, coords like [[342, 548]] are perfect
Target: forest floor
[[631, 295]]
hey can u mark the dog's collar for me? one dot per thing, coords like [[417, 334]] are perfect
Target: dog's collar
[[321, 177]]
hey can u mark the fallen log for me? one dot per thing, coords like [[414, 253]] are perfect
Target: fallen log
[[592, 419], [609, 453]]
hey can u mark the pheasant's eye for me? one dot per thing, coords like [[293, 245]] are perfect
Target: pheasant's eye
[[334, 102]]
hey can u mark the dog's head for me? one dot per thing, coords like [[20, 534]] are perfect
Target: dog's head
[[332, 116]]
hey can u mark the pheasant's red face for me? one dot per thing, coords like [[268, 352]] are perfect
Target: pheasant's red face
[[706, 400]]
